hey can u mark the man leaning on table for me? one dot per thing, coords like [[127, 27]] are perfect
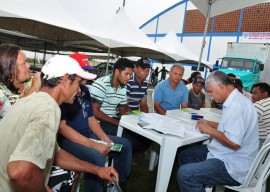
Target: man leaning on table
[[171, 93], [226, 160]]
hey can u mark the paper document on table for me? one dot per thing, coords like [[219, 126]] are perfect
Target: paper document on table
[[190, 128], [162, 124], [168, 125]]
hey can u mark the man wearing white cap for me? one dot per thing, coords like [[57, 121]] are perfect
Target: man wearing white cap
[[30, 127]]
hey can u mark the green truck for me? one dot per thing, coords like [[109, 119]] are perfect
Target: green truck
[[248, 61]]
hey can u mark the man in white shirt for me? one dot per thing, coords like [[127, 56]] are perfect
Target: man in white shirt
[[226, 160]]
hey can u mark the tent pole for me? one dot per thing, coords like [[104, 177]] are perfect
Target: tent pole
[[204, 34], [109, 51]]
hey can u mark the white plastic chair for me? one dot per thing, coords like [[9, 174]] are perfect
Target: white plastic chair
[[258, 173]]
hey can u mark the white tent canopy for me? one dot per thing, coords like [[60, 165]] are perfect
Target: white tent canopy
[[125, 39], [173, 47], [47, 21]]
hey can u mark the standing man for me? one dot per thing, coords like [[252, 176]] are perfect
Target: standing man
[[156, 76], [227, 159], [137, 86], [163, 72], [171, 93], [27, 156]]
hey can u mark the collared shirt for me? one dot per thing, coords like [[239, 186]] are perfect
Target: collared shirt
[[103, 92], [77, 113], [136, 92], [263, 111], [168, 97], [240, 125]]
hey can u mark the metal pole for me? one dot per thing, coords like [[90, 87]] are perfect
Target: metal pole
[[204, 34], [124, 2], [109, 51]]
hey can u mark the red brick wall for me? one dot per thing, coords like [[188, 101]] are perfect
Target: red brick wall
[[255, 19]]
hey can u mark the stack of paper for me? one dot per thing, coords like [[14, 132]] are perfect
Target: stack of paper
[[168, 125]]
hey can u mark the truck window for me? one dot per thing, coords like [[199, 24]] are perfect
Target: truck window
[[257, 68], [235, 63]]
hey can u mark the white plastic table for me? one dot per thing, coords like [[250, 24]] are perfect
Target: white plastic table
[[168, 146]]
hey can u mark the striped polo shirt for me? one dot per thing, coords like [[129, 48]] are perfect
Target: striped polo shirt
[[263, 110], [103, 92], [136, 92]]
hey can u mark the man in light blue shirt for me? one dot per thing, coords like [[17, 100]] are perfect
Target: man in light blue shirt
[[171, 93], [228, 157]]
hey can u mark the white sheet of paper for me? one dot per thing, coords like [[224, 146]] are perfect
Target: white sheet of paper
[[168, 125]]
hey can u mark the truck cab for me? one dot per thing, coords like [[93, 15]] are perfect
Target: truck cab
[[246, 69]]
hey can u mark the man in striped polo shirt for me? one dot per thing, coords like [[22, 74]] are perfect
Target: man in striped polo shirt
[[137, 99], [137, 86], [109, 95], [260, 95]]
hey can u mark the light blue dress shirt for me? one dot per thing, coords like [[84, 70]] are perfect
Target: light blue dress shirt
[[168, 97], [239, 123]]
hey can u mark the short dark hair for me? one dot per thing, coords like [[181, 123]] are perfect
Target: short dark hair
[[193, 75], [231, 75], [264, 87], [123, 63]]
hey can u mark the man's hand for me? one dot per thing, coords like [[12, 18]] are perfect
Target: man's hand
[[102, 148], [48, 189], [106, 139], [36, 81], [203, 126], [106, 172]]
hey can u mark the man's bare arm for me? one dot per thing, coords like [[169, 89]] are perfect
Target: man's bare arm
[[100, 115], [25, 176], [159, 109], [69, 162], [143, 105]]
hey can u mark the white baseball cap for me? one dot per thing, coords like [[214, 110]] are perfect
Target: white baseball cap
[[59, 65]]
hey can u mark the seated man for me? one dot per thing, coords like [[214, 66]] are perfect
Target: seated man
[[137, 97], [29, 147], [171, 93], [227, 159], [196, 98], [78, 126], [109, 96], [260, 91], [137, 86]]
